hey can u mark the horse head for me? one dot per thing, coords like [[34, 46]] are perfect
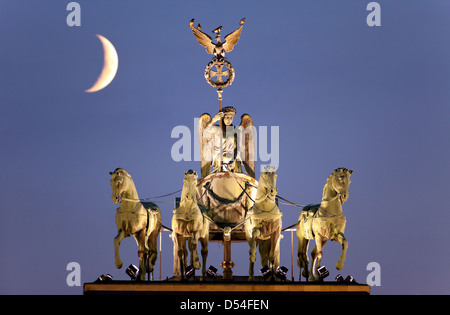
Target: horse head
[[120, 183], [189, 191], [340, 182], [268, 182]]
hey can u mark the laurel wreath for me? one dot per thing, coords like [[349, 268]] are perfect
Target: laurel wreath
[[216, 62]]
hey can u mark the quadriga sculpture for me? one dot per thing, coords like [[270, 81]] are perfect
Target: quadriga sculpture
[[323, 222], [188, 224], [142, 220], [263, 223]]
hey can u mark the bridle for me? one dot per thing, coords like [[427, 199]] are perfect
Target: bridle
[[338, 194]]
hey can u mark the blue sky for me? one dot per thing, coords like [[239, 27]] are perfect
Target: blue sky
[[373, 99]]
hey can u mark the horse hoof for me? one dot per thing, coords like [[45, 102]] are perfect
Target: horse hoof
[[197, 265], [177, 277], [313, 279], [119, 265], [339, 265]]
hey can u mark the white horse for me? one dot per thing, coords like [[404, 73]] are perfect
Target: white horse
[[324, 222], [188, 224], [263, 223], [143, 221]]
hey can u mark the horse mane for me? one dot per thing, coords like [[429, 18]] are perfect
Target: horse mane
[[125, 174], [184, 189], [269, 169], [340, 169], [122, 171]]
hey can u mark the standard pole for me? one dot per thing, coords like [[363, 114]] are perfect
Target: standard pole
[[219, 93]]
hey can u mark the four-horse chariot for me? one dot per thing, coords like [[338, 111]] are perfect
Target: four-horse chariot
[[226, 205]]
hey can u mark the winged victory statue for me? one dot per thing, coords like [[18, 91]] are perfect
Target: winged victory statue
[[225, 145]]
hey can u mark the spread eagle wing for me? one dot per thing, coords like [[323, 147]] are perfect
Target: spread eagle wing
[[232, 39], [205, 150], [246, 145], [204, 40]]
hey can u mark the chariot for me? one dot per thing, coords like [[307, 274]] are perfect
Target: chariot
[[224, 199], [226, 205], [227, 197], [241, 209]]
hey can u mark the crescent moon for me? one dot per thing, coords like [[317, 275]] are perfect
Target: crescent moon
[[110, 65]]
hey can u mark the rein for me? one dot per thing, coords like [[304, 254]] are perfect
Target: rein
[[261, 210], [151, 198], [289, 203]]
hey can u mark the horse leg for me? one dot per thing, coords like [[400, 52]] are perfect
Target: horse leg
[[142, 253], [181, 245], [193, 244], [302, 257], [316, 255], [253, 244], [312, 268], [277, 253], [341, 239], [264, 250], [152, 251], [255, 234], [272, 246], [120, 236]]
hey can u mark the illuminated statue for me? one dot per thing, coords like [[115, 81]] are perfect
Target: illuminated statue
[[323, 222], [142, 220], [188, 224], [263, 223], [225, 145]]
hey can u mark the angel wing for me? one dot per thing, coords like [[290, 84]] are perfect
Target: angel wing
[[232, 39], [204, 40], [246, 144], [203, 139]]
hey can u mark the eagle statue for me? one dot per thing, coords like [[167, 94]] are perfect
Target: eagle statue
[[218, 49]]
